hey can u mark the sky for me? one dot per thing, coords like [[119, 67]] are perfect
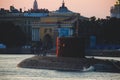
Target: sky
[[87, 8]]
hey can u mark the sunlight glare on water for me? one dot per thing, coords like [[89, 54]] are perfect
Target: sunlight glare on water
[[10, 71]]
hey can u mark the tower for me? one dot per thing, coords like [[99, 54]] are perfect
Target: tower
[[118, 1], [115, 10], [35, 5]]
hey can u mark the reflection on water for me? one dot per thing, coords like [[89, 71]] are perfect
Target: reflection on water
[[10, 71]]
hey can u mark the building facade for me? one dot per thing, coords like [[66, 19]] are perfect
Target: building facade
[[29, 21], [59, 23], [42, 25]]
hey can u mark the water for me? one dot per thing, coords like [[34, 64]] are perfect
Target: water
[[10, 71]]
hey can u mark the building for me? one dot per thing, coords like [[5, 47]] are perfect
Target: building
[[27, 20], [42, 24], [115, 10], [59, 23]]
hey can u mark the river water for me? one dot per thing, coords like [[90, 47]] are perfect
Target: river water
[[10, 71]]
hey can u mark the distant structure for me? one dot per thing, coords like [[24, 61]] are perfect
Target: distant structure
[[35, 5], [63, 11], [63, 8], [42, 24], [115, 10]]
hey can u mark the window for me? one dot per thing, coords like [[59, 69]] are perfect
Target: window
[[35, 34]]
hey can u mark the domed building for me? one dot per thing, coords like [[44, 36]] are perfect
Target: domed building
[[42, 24], [59, 23], [115, 10], [63, 10]]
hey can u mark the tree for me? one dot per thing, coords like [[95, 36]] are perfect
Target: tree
[[11, 35], [112, 31]]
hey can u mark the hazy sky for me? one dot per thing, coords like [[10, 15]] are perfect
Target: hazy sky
[[87, 8]]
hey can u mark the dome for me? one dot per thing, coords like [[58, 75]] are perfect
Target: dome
[[63, 8]]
